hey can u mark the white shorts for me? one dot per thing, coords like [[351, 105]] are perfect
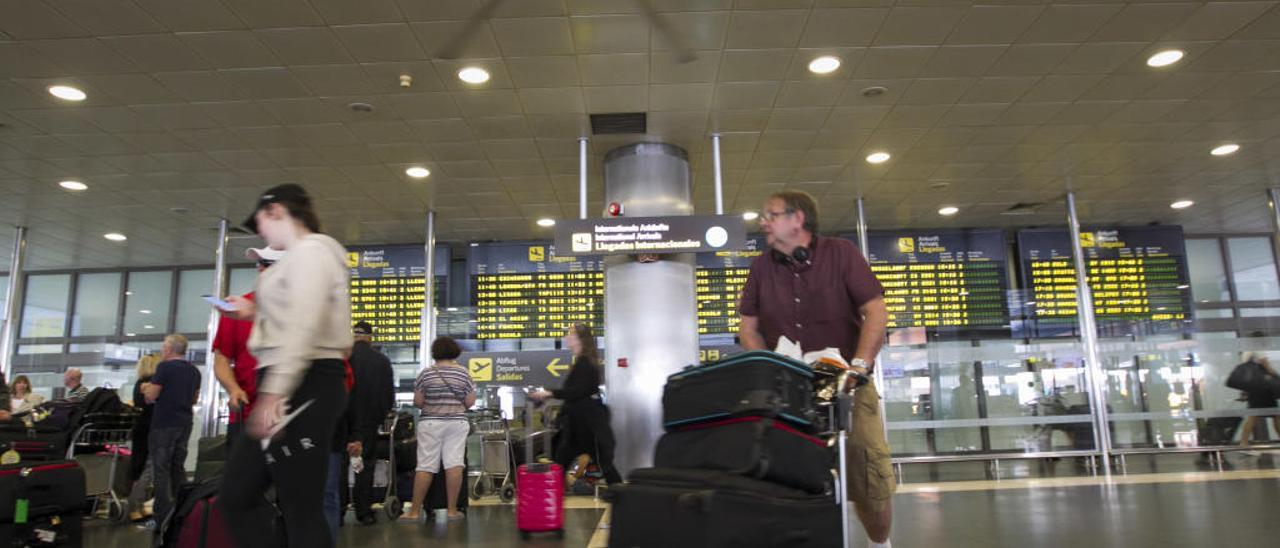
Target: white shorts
[[441, 440]]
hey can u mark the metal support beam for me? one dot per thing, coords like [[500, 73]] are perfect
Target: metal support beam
[[12, 302], [582, 177], [1273, 201], [715, 155], [428, 334], [1089, 336], [210, 386], [877, 375]]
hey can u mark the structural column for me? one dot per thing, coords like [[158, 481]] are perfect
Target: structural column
[[1273, 201], [428, 332], [1089, 336], [210, 386], [877, 374], [13, 302], [650, 308]]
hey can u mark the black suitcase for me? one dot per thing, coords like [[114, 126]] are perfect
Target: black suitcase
[[709, 509], [54, 492], [1219, 430], [752, 383], [756, 447], [37, 443]]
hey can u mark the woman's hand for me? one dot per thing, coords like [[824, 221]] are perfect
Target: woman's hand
[[266, 414], [242, 308]]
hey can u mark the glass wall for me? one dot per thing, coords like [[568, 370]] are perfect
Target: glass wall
[[1253, 269], [193, 311], [44, 310], [97, 307], [147, 303], [242, 280]]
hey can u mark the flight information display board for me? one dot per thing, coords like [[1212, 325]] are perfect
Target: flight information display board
[[720, 277], [942, 279], [523, 290], [387, 288], [1136, 274]]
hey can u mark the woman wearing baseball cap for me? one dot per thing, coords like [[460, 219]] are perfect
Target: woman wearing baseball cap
[[301, 334]]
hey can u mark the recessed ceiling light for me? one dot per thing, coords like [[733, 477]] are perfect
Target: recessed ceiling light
[[67, 93], [1225, 150], [473, 75], [546, 222], [878, 157], [144, 311], [115, 236], [1165, 58], [148, 327], [417, 172], [1182, 204], [949, 210], [73, 185], [824, 65], [750, 216]]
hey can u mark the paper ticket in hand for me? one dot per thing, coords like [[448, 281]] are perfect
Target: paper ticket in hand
[[829, 355]]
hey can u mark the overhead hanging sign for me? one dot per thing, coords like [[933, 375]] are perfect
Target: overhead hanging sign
[[640, 235], [545, 368]]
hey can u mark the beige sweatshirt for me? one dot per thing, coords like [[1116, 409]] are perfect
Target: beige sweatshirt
[[304, 313]]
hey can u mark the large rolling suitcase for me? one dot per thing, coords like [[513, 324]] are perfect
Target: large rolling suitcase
[[41, 504], [752, 383], [761, 448], [710, 509], [539, 492], [1219, 430], [34, 443]]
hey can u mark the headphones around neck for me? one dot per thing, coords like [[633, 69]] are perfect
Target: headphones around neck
[[798, 256]]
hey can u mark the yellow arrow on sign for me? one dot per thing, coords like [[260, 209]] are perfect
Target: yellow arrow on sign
[[555, 367]]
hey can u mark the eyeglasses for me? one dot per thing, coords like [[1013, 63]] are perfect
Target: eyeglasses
[[771, 215]]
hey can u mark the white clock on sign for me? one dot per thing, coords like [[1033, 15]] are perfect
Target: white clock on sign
[[717, 236]]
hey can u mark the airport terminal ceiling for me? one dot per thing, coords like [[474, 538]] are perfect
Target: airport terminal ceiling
[[195, 106]]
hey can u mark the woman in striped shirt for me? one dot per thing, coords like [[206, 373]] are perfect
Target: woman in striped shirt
[[443, 392]]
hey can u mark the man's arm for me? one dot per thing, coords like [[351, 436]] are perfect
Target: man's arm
[[226, 376], [875, 320], [151, 391], [749, 336]]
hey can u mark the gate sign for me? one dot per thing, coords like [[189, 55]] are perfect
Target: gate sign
[[643, 235], [546, 368]]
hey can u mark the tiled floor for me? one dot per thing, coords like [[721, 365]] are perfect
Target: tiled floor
[[1162, 503]]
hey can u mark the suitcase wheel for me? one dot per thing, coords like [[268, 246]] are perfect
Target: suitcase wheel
[[507, 494], [525, 535], [394, 507], [118, 512], [560, 534]]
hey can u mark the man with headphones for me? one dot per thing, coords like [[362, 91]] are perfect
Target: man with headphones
[[820, 293]]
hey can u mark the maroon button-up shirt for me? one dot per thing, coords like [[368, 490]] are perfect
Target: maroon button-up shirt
[[814, 303]]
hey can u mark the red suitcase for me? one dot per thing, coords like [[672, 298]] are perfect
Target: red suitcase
[[539, 490]]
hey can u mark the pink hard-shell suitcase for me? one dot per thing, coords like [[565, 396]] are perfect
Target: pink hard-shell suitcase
[[539, 489]]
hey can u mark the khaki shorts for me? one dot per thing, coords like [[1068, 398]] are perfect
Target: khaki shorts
[[871, 480]]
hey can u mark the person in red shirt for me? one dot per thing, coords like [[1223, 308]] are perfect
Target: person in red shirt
[[233, 365]]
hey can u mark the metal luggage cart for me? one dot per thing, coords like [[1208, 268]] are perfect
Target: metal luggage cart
[[496, 457], [98, 434], [392, 504], [835, 425]]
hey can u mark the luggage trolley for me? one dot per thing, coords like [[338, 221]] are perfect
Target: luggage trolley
[[495, 455], [96, 446], [392, 504], [837, 427]]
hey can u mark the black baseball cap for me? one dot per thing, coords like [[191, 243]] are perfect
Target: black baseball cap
[[362, 328], [290, 192]]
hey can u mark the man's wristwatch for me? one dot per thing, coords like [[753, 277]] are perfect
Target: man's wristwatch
[[859, 362]]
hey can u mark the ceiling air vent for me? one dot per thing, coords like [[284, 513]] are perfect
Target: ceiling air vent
[[1022, 208], [619, 122]]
